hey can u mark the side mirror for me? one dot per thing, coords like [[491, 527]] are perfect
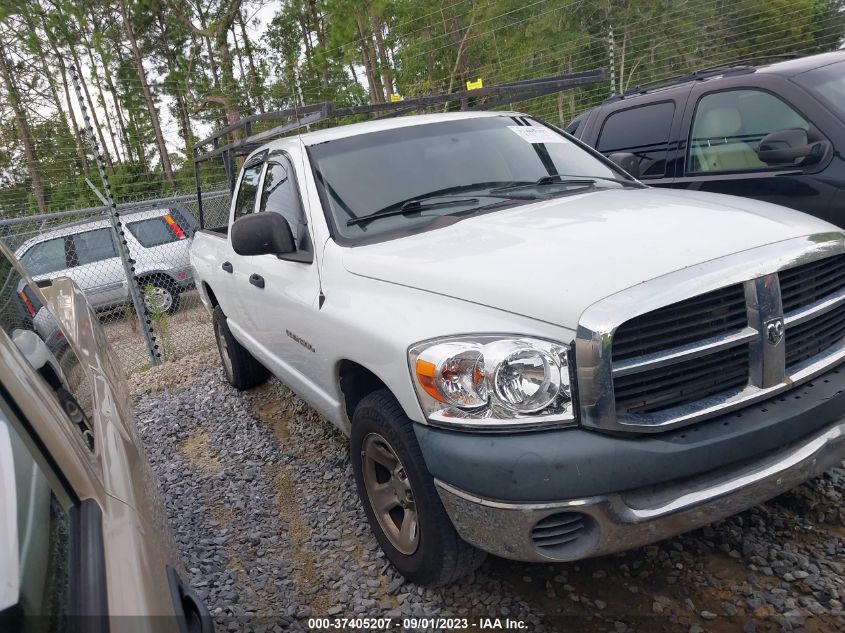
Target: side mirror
[[787, 146], [265, 233], [627, 161]]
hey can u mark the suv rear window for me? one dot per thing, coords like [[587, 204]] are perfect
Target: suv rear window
[[156, 231], [642, 131]]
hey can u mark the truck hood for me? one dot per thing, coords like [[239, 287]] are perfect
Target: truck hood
[[551, 260]]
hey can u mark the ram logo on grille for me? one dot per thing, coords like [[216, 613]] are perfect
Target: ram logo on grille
[[774, 331]]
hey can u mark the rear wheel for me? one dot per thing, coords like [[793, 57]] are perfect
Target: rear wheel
[[160, 296], [399, 497], [240, 367]]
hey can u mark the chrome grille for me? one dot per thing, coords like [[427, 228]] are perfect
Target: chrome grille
[[688, 381], [803, 289], [713, 338], [715, 313], [804, 285]]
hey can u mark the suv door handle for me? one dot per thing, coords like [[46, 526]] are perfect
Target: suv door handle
[[227, 266], [256, 280]]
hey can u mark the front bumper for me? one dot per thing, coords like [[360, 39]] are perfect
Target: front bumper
[[602, 524]]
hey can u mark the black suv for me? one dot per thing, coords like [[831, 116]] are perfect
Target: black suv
[[774, 132]]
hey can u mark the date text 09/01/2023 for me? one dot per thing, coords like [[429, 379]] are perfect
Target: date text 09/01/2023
[[414, 624]]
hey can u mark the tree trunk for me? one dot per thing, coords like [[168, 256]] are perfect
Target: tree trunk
[[95, 75], [148, 97], [181, 107], [384, 62], [121, 123], [321, 40], [374, 84], [228, 88], [132, 119], [94, 118], [24, 132], [253, 72], [81, 155]]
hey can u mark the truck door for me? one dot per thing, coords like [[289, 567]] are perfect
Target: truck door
[[281, 294], [232, 281]]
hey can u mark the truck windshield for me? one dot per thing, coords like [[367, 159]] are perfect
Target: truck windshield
[[828, 84], [408, 177]]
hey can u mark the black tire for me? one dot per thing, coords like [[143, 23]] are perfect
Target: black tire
[[242, 371], [167, 290], [441, 556]]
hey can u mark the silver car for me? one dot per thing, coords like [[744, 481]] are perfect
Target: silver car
[[158, 242]]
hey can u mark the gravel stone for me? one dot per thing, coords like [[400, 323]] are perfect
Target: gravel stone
[[259, 492]]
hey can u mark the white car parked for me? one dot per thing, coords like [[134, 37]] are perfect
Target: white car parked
[[533, 354], [158, 241]]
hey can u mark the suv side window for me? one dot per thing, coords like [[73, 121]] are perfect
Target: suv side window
[[728, 126], [248, 191], [280, 195], [45, 257], [90, 246], [642, 131]]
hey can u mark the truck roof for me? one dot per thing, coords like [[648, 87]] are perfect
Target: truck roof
[[378, 125]]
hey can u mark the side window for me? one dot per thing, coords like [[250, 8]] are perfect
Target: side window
[[45, 257], [90, 246], [280, 196], [642, 131], [39, 337], [728, 127], [35, 546], [248, 191]]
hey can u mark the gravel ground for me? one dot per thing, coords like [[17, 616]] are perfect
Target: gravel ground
[[260, 495]]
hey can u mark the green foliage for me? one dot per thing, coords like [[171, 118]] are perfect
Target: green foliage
[[205, 67]]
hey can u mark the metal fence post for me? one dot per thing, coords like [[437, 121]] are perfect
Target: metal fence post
[[117, 227]]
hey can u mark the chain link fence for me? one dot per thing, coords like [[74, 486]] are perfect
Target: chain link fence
[[82, 244]]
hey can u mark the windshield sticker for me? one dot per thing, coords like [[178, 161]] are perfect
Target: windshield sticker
[[536, 134]]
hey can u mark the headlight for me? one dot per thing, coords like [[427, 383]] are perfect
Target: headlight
[[493, 382]]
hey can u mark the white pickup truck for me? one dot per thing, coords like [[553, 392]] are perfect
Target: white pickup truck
[[533, 354]]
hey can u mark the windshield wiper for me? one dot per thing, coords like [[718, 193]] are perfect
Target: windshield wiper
[[415, 205], [564, 179]]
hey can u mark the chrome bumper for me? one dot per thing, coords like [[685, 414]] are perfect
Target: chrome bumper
[[615, 522]]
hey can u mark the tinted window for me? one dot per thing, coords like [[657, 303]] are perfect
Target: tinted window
[[642, 131], [40, 538], [248, 191], [90, 246], [464, 160], [45, 257], [281, 196], [156, 231], [39, 337], [828, 83], [728, 127]]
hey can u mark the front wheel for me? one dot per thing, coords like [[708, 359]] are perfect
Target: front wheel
[[399, 497]]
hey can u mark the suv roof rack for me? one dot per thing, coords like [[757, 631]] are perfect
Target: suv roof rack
[[739, 66]]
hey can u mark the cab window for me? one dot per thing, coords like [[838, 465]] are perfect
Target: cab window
[[248, 191], [45, 257], [280, 195], [642, 131], [728, 126]]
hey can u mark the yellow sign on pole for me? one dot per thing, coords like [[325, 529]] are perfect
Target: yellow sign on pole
[[475, 85], [395, 98]]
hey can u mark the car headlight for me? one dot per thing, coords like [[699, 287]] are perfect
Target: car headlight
[[493, 382]]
